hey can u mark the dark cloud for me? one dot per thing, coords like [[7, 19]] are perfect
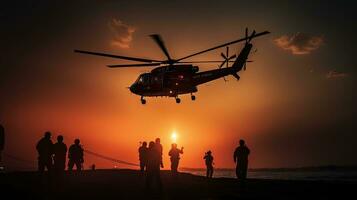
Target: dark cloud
[[123, 33], [333, 74], [300, 43]]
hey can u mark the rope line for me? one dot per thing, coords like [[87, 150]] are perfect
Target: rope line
[[110, 159], [18, 159], [87, 151], [28, 164]]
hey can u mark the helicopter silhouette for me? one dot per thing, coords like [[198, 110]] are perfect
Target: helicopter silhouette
[[174, 77]]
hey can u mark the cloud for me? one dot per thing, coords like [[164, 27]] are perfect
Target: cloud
[[300, 43], [123, 33], [333, 74]]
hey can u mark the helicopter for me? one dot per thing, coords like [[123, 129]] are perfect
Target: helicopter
[[174, 77]]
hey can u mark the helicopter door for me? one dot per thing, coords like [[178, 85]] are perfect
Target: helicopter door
[[157, 81]]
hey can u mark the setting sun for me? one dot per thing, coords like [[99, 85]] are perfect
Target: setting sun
[[174, 136]]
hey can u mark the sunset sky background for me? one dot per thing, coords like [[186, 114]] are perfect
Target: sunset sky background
[[295, 105]]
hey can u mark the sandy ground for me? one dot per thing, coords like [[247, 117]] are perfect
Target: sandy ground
[[130, 184]]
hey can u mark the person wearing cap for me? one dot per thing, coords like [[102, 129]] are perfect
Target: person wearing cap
[[174, 154], [75, 156]]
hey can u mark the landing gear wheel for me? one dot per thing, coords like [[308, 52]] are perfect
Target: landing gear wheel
[[143, 101], [193, 97], [178, 100]]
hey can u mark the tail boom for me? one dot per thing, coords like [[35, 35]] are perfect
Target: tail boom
[[206, 76]]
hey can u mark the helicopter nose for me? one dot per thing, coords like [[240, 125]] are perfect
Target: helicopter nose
[[132, 88]]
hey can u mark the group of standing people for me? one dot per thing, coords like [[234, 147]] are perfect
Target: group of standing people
[[151, 160], [53, 156]]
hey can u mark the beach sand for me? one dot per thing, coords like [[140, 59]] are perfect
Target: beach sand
[[130, 184]]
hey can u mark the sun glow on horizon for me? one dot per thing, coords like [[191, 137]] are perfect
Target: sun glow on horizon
[[174, 136]]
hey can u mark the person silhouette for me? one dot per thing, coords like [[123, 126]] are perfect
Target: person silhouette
[[153, 166], [174, 154], [159, 148], [44, 148], [60, 151], [75, 156], [143, 150], [2, 142], [240, 157], [209, 164]]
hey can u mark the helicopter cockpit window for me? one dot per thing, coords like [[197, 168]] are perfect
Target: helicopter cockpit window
[[144, 79], [139, 80]]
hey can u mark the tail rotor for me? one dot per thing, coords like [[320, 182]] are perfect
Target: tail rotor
[[226, 58]]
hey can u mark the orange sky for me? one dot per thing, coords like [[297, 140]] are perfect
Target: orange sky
[[284, 107]]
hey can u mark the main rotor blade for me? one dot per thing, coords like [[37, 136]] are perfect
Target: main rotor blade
[[223, 45], [224, 56], [210, 61], [157, 38], [135, 65], [117, 56]]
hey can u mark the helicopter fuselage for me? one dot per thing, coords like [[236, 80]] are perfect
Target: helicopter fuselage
[[174, 80]]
